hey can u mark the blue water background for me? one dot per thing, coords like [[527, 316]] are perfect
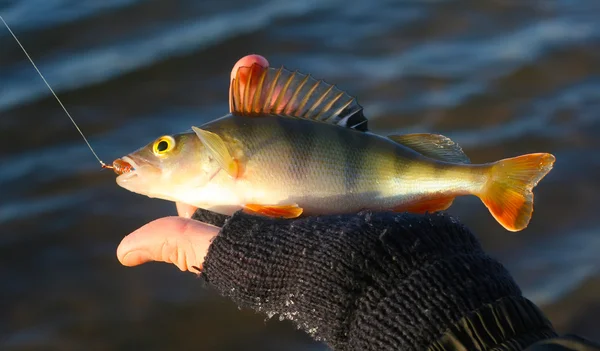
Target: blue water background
[[500, 77]]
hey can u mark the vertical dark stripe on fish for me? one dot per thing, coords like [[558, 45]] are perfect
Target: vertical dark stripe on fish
[[301, 142], [238, 124], [408, 166], [439, 169], [400, 164], [354, 157], [256, 138]]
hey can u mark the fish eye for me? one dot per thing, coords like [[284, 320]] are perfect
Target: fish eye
[[163, 145]]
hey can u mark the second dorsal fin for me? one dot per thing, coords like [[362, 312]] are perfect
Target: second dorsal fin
[[281, 92], [435, 146]]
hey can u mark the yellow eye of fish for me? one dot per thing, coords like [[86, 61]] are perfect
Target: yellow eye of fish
[[163, 145]]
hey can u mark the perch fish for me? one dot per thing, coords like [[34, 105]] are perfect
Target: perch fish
[[295, 146]]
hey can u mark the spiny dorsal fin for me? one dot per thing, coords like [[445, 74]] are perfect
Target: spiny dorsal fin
[[293, 94], [434, 146]]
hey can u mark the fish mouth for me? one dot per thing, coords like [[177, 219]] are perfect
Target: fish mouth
[[125, 167], [132, 170], [122, 165], [129, 161]]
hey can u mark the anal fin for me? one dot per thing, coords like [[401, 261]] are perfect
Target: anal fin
[[279, 211], [427, 205]]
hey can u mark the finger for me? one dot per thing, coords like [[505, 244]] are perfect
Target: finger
[[180, 241], [185, 210], [247, 61]]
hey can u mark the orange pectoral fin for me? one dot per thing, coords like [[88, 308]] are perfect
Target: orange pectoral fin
[[428, 205], [280, 211]]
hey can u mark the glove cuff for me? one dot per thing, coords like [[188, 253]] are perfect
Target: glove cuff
[[511, 323]]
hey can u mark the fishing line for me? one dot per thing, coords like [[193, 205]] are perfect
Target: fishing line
[[53, 93]]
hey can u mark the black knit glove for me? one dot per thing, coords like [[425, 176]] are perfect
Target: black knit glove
[[373, 281]]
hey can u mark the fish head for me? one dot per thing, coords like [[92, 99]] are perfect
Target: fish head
[[168, 168]]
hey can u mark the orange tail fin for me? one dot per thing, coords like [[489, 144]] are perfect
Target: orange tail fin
[[508, 193]]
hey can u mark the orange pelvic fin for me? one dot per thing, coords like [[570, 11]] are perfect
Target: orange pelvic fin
[[280, 211], [428, 205], [509, 191]]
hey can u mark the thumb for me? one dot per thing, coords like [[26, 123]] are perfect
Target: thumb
[[180, 241], [247, 61]]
